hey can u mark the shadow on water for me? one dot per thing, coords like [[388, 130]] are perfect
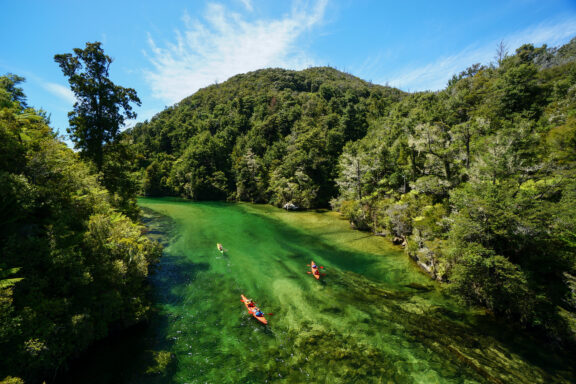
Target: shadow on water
[[141, 353]]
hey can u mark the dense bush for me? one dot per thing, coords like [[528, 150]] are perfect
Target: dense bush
[[478, 182], [72, 267]]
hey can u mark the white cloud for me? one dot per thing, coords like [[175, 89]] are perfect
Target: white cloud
[[225, 44], [435, 76], [61, 91], [248, 5]]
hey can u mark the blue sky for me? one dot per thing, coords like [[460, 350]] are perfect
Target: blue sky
[[167, 50]]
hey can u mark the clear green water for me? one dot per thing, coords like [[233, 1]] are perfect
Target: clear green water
[[374, 317]]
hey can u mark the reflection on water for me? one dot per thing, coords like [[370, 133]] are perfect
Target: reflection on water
[[374, 318]]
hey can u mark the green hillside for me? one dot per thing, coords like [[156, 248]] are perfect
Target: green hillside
[[267, 136]]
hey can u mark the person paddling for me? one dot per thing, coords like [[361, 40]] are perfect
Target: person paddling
[[315, 270], [254, 310]]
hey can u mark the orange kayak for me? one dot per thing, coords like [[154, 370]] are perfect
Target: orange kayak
[[315, 271], [252, 310]]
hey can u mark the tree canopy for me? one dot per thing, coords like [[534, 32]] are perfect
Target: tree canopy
[[272, 135], [71, 266], [101, 107]]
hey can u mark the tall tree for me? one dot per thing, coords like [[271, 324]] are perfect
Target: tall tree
[[9, 84], [501, 52], [101, 106]]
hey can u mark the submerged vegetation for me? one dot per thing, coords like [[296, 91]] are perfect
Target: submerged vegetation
[[477, 180]]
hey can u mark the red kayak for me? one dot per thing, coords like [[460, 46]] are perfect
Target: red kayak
[[315, 270], [253, 309]]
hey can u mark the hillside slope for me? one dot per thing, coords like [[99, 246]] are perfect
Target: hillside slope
[[271, 135]]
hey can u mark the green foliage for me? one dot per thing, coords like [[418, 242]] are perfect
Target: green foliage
[[251, 182], [160, 362], [477, 181], [12, 380], [99, 113], [4, 281], [11, 93], [197, 172], [120, 178], [71, 266], [482, 277], [156, 177], [97, 116], [268, 136]]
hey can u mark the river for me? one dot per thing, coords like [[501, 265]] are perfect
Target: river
[[374, 317]]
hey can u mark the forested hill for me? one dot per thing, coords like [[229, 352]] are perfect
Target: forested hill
[[477, 180], [271, 135]]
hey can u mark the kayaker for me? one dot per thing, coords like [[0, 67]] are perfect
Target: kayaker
[[314, 266], [258, 313], [250, 303], [316, 272]]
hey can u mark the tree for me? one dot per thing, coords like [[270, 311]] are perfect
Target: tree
[[250, 183], [71, 266], [481, 276], [355, 165], [436, 141], [101, 106], [8, 83], [501, 52], [465, 132]]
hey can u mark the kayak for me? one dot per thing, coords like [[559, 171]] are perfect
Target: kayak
[[315, 271], [220, 247], [252, 310]]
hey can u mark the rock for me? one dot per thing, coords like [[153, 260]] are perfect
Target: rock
[[291, 207]]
